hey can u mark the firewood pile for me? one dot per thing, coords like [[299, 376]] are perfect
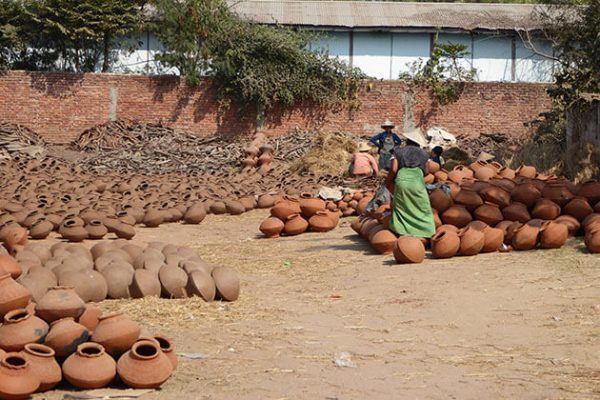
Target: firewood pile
[[299, 142], [16, 138]]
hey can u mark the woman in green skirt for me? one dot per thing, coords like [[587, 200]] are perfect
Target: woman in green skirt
[[411, 210]]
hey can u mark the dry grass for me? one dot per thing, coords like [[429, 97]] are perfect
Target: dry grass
[[330, 155]]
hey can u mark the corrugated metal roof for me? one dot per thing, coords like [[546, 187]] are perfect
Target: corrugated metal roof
[[389, 15]]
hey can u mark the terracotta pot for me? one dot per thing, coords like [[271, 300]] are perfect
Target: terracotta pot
[[356, 224], [90, 317], [553, 235], [201, 283], [503, 225], [458, 173], [167, 347], [59, 302], [484, 173], [570, 222], [525, 237], [309, 205], [429, 179], [12, 295], [447, 227], [471, 241], [118, 279], [496, 195], [579, 208], [145, 366], [320, 221], [116, 333], [383, 241], [441, 176], [440, 200], [89, 367], [41, 229], [9, 265], [295, 225], [546, 210], [124, 231], [468, 198], [173, 281], [432, 167], [19, 328], [590, 190], [362, 205], [96, 229], [526, 193], [265, 201], [13, 236], [65, 335], [43, 365], [489, 213], [72, 231], [507, 173], [445, 243], [516, 212], [589, 220], [227, 283], [409, 249], [271, 227], [558, 192], [285, 207], [457, 215], [234, 207], [526, 171], [592, 242], [153, 218], [17, 378], [493, 239], [144, 283]]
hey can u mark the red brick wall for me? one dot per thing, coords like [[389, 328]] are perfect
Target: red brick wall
[[60, 106]]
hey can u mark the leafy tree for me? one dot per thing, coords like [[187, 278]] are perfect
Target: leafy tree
[[11, 42], [252, 64]]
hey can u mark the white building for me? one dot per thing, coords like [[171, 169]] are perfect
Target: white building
[[383, 38]]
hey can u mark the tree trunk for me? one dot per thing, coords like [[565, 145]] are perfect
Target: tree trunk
[[106, 52]]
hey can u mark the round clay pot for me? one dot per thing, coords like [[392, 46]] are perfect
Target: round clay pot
[[489, 213], [249, 202], [271, 227], [65, 335], [468, 198], [118, 279], [59, 302], [471, 241], [506, 172], [525, 237], [526, 193], [516, 212], [145, 366], [167, 347], [592, 241], [409, 249], [235, 207], [90, 317], [383, 241], [124, 231], [570, 222], [445, 243], [72, 231], [19, 328], [201, 283], [526, 171], [579, 208], [265, 201], [295, 225], [590, 190], [153, 218], [227, 283], [362, 204], [285, 207], [41, 229], [553, 235], [432, 167], [309, 205], [357, 224], [12, 294], [96, 229], [17, 378], [195, 214], [458, 173], [546, 210], [9, 265], [485, 173], [173, 281], [89, 367], [116, 333], [496, 195], [320, 221], [218, 208], [457, 215], [43, 365], [440, 200], [558, 192], [144, 283], [493, 239]]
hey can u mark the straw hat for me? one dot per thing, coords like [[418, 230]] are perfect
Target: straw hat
[[362, 146], [483, 156], [415, 136], [388, 124]]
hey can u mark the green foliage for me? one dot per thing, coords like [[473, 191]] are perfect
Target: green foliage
[[442, 73], [251, 64]]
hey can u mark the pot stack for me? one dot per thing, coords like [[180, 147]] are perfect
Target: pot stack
[[61, 338]]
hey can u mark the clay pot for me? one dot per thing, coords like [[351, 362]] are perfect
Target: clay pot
[[440, 200], [167, 347], [510, 232], [153, 218], [471, 241], [234, 207], [553, 235], [172, 281], [579, 208], [41, 229], [468, 198], [493, 239], [65, 335], [570, 222], [201, 283], [295, 225], [484, 173], [227, 283], [271, 227], [429, 179], [60, 302], [118, 279], [558, 192], [17, 378], [90, 317], [516, 212], [12, 295], [309, 205], [321, 222], [525, 237], [496, 195], [445, 243], [265, 201], [526, 171], [144, 283], [546, 210], [506, 172], [96, 229], [458, 173], [526, 193], [285, 207], [43, 365], [14, 236], [362, 204], [409, 249], [441, 176], [489, 213], [589, 220], [19, 328], [116, 333], [356, 224], [9, 265], [590, 190], [432, 167], [592, 241], [89, 367], [145, 366], [457, 215], [383, 241], [72, 231]]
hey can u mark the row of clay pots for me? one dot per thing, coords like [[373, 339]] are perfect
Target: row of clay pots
[[118, 269]]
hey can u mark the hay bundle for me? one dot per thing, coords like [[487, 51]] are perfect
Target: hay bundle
[[330, 154]]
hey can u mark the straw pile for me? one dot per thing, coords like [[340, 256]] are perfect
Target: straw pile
[[330, 154]]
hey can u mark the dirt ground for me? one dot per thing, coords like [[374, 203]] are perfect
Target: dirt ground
[[521, 325]]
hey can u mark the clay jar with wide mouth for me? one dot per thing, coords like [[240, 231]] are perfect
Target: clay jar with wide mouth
[[445, 244], [310, 205], [285, 207], [471, 241], [553, 235], [12, 294], [145, 366], [409, 249], [167, 347], [271, 227], [21, 327], [468, 198], [295, 225], [116, 333], [89, 367], [43, 365], [17, 378], [59, 302]]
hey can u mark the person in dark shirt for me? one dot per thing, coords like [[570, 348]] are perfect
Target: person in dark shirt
[[436, 155], [385, 143], [411, 209]]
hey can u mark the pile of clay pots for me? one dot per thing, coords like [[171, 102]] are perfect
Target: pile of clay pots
[[493, 208], [60, 338], [258, 154], [119, 269], [293, 215]]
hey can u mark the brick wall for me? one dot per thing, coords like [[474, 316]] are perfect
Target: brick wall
[[59, 106]]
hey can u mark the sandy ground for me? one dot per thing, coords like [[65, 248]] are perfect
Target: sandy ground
[[497, 326]]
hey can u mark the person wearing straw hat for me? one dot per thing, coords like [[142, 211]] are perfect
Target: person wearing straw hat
[[363, 164], [385, 143], [411, 209]]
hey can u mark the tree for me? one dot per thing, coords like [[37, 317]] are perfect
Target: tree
[[252, 64]]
